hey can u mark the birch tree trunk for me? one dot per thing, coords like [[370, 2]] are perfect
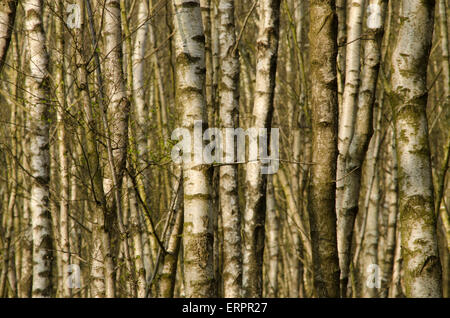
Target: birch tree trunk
[[255, 209], [7, 17], [138, 67], [119, 105], [324, 105], [392, 206], [95, 170], [345, 214], [141, 110], [341, 11], [443, 26], [116, 129], [63, 149], [369, 245], [190, 68], [136, 234], [208, 21], [229, 118], [166, 282], [352, 68], [26, 272], [273, 235], [39, 149], [422, 269], [395, 288], [348, 207]]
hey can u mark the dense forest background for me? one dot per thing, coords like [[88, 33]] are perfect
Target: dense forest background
[[92, 203]]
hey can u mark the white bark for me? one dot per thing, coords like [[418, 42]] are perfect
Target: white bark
[[229, 118], [7, 17], [369, 245], [209, 23], [190, 68], [136, 230], [140, 46], [351, 161], [392, 206], [98, 257], [352, 70], [166, 282], [138, 68], [341, 11], [395, 285], [422, 272], [26, 272], [273, 233], [64, 151], [39, 149], [116, 129], [254, 215], [118, 104], [350, 93]]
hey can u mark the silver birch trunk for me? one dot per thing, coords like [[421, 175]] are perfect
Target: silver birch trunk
[[273, 233], [255, 209], [26, 272], [350, 185], [421, 265], [341, 11], [369, 273], [136, 230], [39, 149], [7, 17], [346, 127], [198, 232], [387, 263], [95, 171], [443, 26], [395, 286], [118, 103], [64, 151], [229, 118], [166, 282], [138, 67], [116, 129]]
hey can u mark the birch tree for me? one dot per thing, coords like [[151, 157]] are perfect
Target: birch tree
[[99, 252], [7, 18], [443, 26], [138, 68], [273, 246], [255, 206], [360, 137], [229, 112], [346, 130], [390, 245], [63, 149], [102, 85], [38, 103], [324, 106], [119, 105], [421, 265], [190, 68]]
